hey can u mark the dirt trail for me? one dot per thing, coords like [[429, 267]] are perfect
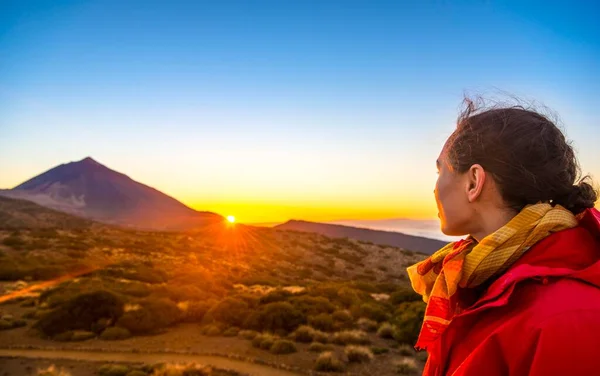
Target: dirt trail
[[216, 361]]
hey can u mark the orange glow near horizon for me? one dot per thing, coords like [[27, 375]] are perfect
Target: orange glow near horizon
[[320, 211]]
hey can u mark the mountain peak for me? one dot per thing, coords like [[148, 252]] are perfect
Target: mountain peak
[[89, 160]]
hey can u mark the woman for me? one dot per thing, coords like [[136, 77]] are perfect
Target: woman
[[521, 294]]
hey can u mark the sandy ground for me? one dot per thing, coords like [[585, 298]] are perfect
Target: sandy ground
[[186, 339], [150, 358]]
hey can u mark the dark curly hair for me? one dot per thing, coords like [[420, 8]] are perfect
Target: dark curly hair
[[526, 153]]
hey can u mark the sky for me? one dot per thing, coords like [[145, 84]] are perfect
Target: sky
[[272, 110]]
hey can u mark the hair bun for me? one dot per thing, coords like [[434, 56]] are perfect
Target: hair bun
[[581, 196]]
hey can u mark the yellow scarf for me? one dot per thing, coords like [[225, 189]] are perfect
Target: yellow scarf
[[467, 264]]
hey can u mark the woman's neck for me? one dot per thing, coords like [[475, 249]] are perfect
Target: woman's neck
[[492, 221]]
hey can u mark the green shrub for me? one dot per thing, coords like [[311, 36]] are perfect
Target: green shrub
[[386, 330], [351, 337], [114, 370], [279, 317], [30, 315], [408, 322], [367, 324], [283, 346], [275, 296], [136, 372], [247, 334], [406, 350], [311, 305], [52, 370], [14, 241], [379, 350], [185, 370], [404, 295], [407, 366], [328, 362], [320, 347], [372, 311], [322, 322], [115, 333], [229, 311], [151, 317], [28, 303], [358, 354], [211, 330], [81, 312], [342, 319], [422, 356], [81, 335], [197, 310], [307, 334], [264, 341], [63, 337], [5, 324], [231, 332]]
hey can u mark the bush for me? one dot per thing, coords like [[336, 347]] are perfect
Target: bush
[[406, 350], [408, 322], [115, 333], [210, 330], [276, 317], [307, 334], [311, 305], [342, 319], [275, 296], [136, 372], [114, 370], [150, 317], [263, 341], [12, 324], [81, 312], [231, 332], [386, 330], [407, 366], [322, 322], [422, 356], [367, 325], [229, 311], [247, 334], [320, 347], [351, 337], [283, 346], [358, 354], [196, 311], [63, 337], [30, 315], [53, 371], [184, 370], [379, 350], [373, 311], [328, 362], [404, 295], [81, 335], [14, 241]]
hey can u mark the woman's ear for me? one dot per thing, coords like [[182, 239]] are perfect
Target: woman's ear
[[475, 182]]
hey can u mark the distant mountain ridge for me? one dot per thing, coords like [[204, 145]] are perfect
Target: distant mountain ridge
[[91, 190], [396, 239]]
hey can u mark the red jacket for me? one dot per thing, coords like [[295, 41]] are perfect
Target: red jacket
[[541, 318]]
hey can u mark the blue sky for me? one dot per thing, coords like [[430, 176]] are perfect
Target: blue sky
[[279, 109]]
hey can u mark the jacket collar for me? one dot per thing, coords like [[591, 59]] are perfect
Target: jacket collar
[[572, 253]]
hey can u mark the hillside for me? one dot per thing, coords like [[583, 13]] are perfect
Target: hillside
[[91, 190], [199, 289], [23, 214], [393, 239]]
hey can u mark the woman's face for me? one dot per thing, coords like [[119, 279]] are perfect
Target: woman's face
[[450, 195]]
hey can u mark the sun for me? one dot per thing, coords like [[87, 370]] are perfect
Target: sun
[[231, 219]]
